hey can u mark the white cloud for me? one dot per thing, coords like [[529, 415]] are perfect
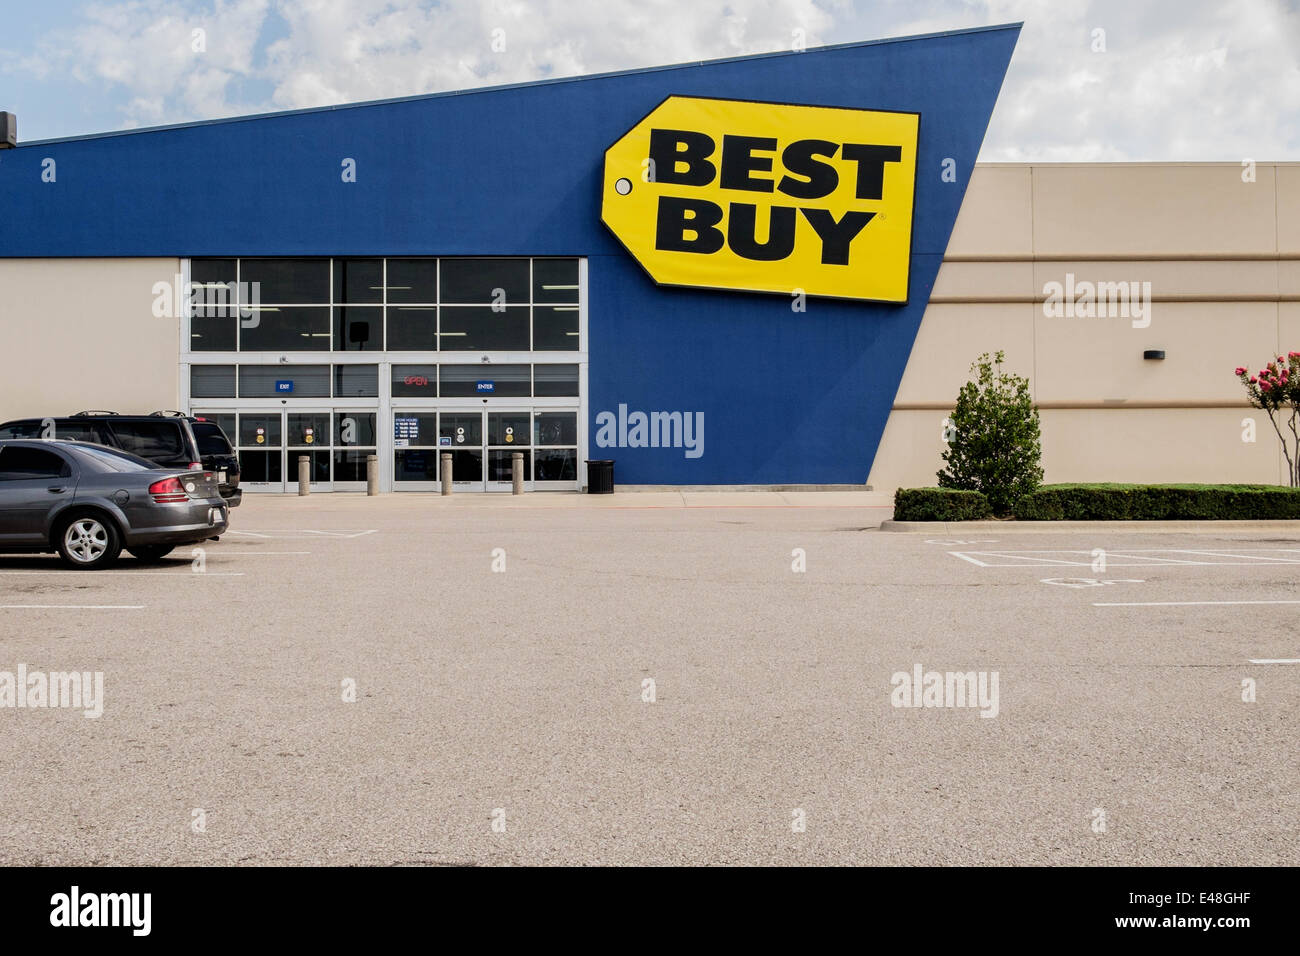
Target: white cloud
[[1178, 80]]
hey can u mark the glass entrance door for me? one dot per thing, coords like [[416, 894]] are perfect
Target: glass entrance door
[[261, 450], [507, 432], [308, 434], [461, 433]]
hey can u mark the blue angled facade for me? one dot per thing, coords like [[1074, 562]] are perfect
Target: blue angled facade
[[787, 397]]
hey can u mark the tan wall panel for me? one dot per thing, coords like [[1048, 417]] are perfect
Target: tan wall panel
[[80, 333], [984, 280], [1288, 208], [1158, 445], [1187, 278], [1093, 360], [1137, 445], [995, 216], [953, 336], [1153, 209]]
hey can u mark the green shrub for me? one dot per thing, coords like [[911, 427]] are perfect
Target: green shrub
[[1118, 502], [993, 438], [940, 504]]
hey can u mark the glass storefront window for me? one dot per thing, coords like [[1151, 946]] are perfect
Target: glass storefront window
[[460, 381], [555, 380], [415, 381], [485, 281], [285, 328], [484, 329], [555, 328], [557, 464], [356, 381], [263, 381], [358, 281], [508, 428], [555, 428], [412, 328], [287, 281], [212, 381], [413, 280], [555, 280], [358, 329], [354, 428]]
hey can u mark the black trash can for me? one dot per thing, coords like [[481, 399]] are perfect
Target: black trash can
[[600, 476]]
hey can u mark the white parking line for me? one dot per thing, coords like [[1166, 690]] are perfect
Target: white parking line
[[301, 532], [1132, 557], [1275, 660], [1183, 603], [71, 607]]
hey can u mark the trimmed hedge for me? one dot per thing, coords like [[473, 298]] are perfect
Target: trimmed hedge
[[1117, 502], [940, 504]]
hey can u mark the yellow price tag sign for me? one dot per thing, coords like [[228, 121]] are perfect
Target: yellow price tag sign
[[767, 197]]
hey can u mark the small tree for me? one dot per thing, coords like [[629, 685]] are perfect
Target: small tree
[[1276, 389], [993, 437]]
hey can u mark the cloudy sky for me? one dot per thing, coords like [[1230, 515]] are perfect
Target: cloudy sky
[[1090, 81]]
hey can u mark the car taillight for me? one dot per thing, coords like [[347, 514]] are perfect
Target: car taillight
[[168, 491], [196, 466]]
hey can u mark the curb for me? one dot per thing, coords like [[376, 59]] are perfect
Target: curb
[[1046, 527]]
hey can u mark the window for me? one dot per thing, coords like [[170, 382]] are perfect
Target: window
[[358, 281], [485, 281], [210, 438], [460, 381], [556, 380], [356, 381], [29, 464], [268, 381], [412, 328], [415, 381], [212, 381], [160, 441], [213, 305], [555, 328], [483, 329], [555, 280], [413, 280], [358, 329], [286, 328], [286, 281]]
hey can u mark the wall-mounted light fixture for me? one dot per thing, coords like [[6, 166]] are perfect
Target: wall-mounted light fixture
[[1156, 354]]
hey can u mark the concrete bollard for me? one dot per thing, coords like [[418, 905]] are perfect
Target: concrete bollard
[[446, 472], [304, 475], [517, 472], [372, 474]]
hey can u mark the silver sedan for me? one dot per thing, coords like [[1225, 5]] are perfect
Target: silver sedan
[[88, 502]]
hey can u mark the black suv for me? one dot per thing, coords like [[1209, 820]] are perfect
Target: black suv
[[169, 439]]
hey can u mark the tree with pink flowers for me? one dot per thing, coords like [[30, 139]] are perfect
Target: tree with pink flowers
[[1276, 389]]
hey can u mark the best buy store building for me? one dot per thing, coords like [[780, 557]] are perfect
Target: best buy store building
[[771, 270]]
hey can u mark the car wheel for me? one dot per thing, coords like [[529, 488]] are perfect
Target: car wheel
[[89, 542], [152, 552]]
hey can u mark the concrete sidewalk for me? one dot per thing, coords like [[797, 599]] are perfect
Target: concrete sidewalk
[[619, 499]]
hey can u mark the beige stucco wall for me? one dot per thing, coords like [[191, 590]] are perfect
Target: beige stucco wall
[[1223, 259], [80, 333]]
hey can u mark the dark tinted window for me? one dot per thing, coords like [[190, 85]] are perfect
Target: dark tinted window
[[483, 329], [286, 281], [351, 381], [358, 329], [212, 381], [159, 441], [18, 463], [483, 281], [555, 280], [413, 280], [211, 440], [110, 459], [286, 328], [358, 280], [27, 429]]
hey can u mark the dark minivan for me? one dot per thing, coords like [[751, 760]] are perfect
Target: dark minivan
[[169, 439]]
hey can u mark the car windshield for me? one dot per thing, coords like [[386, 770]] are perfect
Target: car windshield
[[110, 459], [212, 441]]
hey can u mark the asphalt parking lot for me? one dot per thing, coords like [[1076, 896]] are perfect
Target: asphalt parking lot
[[649, 679]]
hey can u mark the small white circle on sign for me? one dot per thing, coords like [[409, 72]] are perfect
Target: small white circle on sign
[[623, 187]]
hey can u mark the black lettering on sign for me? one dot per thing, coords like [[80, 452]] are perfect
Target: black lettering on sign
[[670, 147], [739, 161], [871, 166], [673, 223], [836, 236], [798, 159], [742, 232]]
